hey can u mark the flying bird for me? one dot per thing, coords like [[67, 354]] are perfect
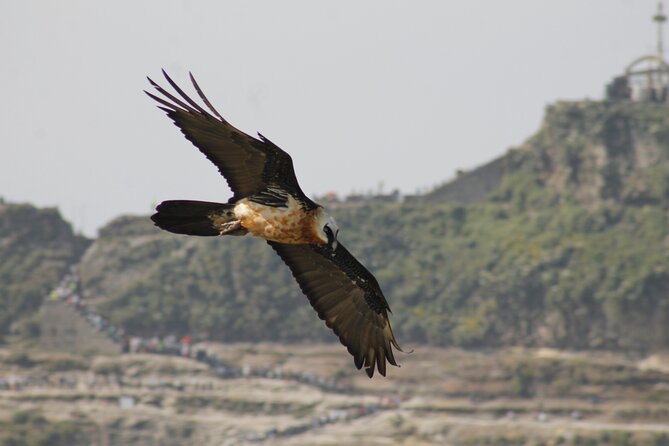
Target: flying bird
[[267, 202]]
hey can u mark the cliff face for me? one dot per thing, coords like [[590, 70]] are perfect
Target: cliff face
[[589, 153], [36, 248], [605, 152]]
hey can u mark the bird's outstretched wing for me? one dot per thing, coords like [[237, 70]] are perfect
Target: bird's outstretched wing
[[348, 298], [249, 165]]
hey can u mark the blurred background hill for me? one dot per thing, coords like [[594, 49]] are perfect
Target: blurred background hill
[[557, 246], [567, 249], [533, 290], [36, 249]]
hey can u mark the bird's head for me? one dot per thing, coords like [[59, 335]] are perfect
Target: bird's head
[[328, 230]]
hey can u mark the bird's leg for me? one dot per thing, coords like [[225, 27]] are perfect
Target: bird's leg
[[227, 224], [233, 227]]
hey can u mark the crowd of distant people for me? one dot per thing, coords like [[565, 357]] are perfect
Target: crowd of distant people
[[69, 291]]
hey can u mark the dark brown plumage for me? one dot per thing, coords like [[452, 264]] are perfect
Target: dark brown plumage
[[261, 175], [347, 297]]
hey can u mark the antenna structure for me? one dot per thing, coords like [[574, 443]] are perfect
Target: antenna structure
[[660, 18]]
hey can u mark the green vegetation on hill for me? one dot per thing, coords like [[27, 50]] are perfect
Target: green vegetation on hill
[[592, 153], [569, 249], [36, 248], [157, 283], [484, 275]]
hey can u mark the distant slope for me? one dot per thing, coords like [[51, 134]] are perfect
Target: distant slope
[[587, 152], [36, 248], [470, 187], [570, 248], [158, 283], [485, 275]]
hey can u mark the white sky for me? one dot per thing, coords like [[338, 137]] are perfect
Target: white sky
[[360, 93]]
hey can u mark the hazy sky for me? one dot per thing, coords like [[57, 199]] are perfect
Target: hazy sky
[[360, 93]]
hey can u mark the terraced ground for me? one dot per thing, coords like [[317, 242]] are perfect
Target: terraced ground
[[296, 395]]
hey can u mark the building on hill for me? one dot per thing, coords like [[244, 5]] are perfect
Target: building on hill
[[646, 78]]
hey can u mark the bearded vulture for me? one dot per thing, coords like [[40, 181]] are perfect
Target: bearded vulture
[[267, 202]]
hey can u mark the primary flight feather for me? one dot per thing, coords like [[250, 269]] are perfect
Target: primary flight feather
[[267, 202]]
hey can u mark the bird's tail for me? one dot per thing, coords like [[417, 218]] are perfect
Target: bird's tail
[[197, 218]]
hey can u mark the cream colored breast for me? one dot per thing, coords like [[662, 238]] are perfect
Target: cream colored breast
[[286, 225]]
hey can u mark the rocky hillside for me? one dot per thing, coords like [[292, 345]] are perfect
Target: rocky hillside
[[485, 275], [561, 242], [36, 248], [566, 248], [151, 282], [590, 153]]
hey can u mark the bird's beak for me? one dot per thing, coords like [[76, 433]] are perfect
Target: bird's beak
[[335, 243], [332, 240]]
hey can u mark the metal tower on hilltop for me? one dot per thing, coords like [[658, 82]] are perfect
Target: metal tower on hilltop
[[660, 18], [646, 78]]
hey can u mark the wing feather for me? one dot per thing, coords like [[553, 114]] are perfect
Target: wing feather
[[204, 98], [380, 363], [182, 94], [249, 165], [348, 298]]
